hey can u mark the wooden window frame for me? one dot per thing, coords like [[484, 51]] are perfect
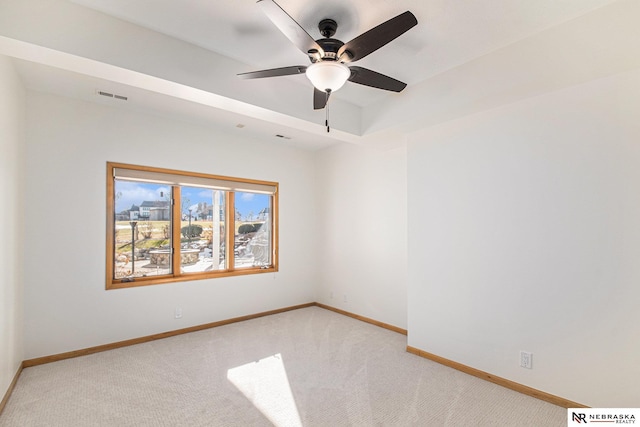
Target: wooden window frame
[[176, 276]]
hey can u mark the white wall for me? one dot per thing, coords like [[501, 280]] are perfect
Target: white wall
[[68, 145], [362, 204], [525, 235], [12, 107]]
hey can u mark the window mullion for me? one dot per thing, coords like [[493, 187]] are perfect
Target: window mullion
[[176, 225], [230, 230]]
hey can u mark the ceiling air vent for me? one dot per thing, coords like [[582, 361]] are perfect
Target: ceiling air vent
[[111, 95]]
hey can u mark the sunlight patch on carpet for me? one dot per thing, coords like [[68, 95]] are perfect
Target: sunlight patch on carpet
[[266, 385]]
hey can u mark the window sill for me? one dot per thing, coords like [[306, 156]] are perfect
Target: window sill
[[186, 277]]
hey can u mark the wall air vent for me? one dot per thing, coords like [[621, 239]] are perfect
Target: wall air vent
[[111, 95]]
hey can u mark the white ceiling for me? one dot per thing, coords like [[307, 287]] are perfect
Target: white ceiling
[[449, 33], [452, 39]]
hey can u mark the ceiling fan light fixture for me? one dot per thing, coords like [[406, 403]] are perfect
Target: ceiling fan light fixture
[[328, 75]]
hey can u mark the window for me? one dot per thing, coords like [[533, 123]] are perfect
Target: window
[[165, 226]]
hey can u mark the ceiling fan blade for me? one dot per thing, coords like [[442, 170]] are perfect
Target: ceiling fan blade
[[319, 99], [367, 77], [274, 72], [377, 37], [290, 28]]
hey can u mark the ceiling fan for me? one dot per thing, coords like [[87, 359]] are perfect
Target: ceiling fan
[[328, 70]]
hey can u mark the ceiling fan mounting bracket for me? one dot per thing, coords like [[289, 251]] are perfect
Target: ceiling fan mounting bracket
[[348, 56], [314, 55], [327, 28]]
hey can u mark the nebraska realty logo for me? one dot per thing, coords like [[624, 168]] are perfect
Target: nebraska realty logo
[[580, 416]]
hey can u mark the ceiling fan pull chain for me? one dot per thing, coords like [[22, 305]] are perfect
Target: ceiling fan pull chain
[[326, 121]]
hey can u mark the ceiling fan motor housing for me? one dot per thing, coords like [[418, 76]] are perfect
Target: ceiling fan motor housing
[[329, 45], [330, 48]]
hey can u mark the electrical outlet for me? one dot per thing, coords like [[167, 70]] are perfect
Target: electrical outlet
[[331, 294], [526, 359], [178, 313], [344, 298]]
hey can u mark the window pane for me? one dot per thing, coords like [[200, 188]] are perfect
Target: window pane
[[253, 230], [202, 230], [142, 235]]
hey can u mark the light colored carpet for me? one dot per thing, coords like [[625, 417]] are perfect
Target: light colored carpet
[[308, 367]]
